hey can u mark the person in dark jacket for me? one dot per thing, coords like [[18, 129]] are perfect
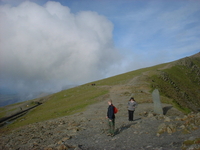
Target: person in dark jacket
[[132, 104], [111, 118]]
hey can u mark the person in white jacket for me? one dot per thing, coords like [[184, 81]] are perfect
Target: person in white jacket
[[132, 104]]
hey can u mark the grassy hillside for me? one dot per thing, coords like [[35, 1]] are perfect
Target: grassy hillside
[[181, 82], [61, 104], [178, 83]]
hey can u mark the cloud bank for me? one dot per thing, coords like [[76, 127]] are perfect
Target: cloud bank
[[47, 47]]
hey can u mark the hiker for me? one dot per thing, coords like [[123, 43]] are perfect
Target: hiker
[[131, 108], [111, 118]]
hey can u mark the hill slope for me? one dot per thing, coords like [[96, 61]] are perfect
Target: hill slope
[[177, 81], [181, 82], [88, 130], [67, 126]]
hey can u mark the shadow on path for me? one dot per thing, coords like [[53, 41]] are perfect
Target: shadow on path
[[166, 109], [125, 127], [137, 119]]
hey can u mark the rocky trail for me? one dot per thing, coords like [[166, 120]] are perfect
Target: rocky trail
[[88, 130]]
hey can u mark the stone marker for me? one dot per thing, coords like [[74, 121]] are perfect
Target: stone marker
[[157, 104]]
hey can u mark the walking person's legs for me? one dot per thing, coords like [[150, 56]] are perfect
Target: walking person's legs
[[111, 125], [130, 115], [133, 116]]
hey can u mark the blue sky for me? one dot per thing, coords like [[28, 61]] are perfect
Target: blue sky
[[47, 45]]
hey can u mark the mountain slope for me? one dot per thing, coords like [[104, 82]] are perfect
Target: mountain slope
[[178, 83], [181, 82], [88, 130]]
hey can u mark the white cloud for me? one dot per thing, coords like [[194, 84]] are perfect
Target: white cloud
[[45, 44], [49, 45]]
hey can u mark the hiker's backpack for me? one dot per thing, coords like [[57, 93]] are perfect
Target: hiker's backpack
[[115, 110]]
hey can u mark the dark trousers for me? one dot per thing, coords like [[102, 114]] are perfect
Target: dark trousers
[[111, 125], [130, 115]]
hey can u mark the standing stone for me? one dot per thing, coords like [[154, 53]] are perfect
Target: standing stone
[[157, 104]]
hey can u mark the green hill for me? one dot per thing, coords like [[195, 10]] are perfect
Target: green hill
[[178, 83], [181, 83]]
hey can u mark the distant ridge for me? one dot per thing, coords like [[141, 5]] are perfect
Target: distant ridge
[[196, 55]]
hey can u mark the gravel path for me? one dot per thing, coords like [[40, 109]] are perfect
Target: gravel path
[[139, 134]]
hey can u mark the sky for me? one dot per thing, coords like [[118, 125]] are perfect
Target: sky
[[47, 46]]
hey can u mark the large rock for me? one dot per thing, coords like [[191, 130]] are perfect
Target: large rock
[[156, 101]]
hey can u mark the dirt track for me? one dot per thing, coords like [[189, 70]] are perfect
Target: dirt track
[[139, 134]]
